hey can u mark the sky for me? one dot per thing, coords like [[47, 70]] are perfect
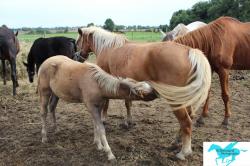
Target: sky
[[54, 13]]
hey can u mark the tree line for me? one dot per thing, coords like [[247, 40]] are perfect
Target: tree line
[[207, 11]]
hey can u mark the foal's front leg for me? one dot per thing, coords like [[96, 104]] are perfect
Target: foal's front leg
[[44, 100], [186, 131], [99, 131]]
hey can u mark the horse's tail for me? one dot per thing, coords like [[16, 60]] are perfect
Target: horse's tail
[[104, 80], [196, 90]]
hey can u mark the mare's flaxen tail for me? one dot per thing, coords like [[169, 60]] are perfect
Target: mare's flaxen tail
[[196, 90]]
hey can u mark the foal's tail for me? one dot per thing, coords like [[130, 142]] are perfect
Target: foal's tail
[[196, 90]]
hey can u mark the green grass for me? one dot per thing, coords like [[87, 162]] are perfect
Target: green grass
[[135, 36]]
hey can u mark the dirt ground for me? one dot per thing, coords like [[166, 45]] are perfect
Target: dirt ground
[[147, 143]]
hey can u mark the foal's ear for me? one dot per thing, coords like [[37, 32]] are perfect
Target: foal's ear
[[25, 64], [80, 31], [16, 33]]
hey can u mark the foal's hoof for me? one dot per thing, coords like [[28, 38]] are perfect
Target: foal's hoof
[[180, 156], [44, 140], [112, 158], [127, 125]]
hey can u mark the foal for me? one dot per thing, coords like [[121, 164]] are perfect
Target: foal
[[61, 77]]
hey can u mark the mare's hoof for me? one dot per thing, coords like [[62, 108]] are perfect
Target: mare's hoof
[[225, 122], [200, 122]]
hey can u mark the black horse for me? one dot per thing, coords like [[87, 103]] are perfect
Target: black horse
[[43, 48], [9, 48]]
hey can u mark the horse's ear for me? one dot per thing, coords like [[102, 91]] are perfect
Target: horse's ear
[[80, 31], [16, 33], [25, 64]]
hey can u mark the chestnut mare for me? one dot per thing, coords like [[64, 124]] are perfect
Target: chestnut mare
[[225, 41], [182, 29], [61, 77], [179, 74]]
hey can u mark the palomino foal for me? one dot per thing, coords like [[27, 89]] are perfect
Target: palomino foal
[[61, 77]]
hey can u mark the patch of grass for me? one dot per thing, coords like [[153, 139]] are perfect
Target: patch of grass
[[134, 36]]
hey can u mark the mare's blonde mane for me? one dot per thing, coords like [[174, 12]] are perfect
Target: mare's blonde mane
[[103, 39]]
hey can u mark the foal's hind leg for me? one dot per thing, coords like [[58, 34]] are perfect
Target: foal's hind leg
[[52, 107], [4, 72], [105, 110], [99, 129], [186, 131], [44, 100]]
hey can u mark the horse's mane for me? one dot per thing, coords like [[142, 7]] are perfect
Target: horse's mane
[[204, 38], [104, 39]]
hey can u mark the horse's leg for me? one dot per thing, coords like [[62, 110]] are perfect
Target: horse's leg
[[13, 74], [4, 71], [95, 111], [44, 100], [223, 75], [128, 104], [177, 139], [200, 120], [105, 110], [186, 131], [52, 107], [97, 138]]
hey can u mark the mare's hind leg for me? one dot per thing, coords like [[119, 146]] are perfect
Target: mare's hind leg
[[186, 131], [44, 100], [99, 129], [223, 75], [177, 139], [52, 107], [4, 72]]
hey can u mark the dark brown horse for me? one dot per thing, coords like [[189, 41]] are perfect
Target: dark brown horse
[[9, 48], [226, 42], [179, 74]]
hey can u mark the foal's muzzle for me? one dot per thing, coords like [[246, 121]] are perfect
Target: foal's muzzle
[[77, 57]]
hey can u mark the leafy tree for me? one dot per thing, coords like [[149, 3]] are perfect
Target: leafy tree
[[90, 24], [109, 25]]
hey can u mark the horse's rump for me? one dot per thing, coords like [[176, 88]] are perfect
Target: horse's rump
[[196, 90]]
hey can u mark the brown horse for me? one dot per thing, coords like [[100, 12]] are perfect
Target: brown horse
[[179, 74], [61, 77], [225, 41], [9, 48]]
